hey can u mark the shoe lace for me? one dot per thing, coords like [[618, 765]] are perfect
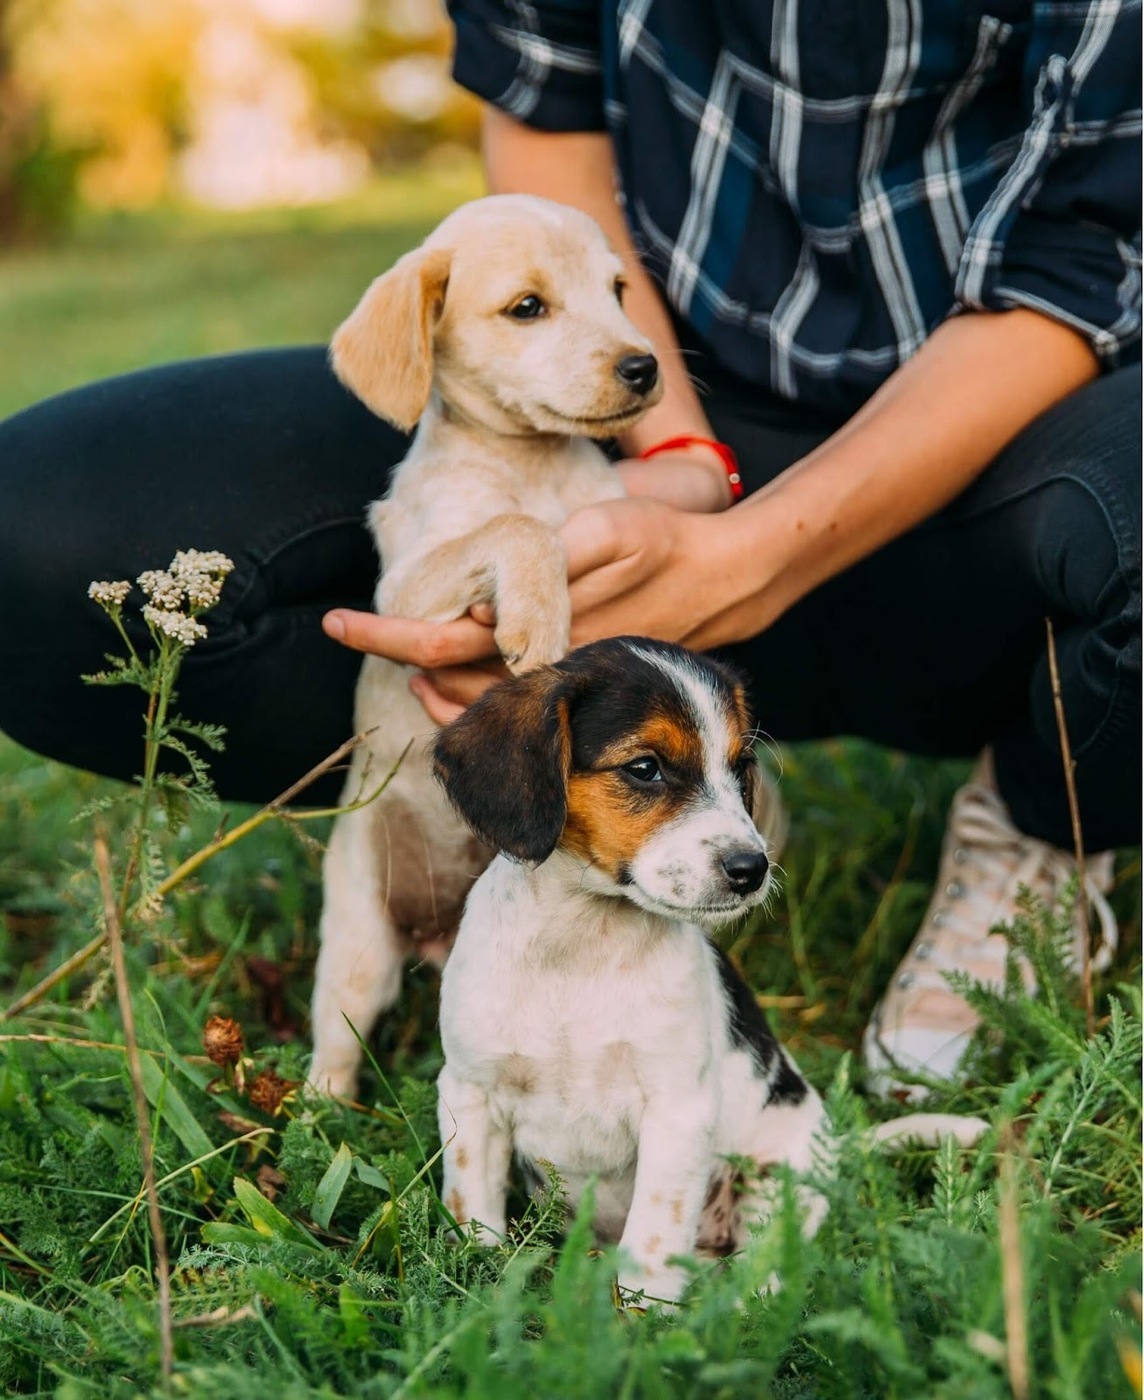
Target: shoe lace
[[995, 857]]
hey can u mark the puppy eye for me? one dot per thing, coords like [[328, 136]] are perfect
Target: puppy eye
[[644, 770], [745, 773], [526, 309], [619, 286]]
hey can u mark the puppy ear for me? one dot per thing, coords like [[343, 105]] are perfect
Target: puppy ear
[[383, 352], [505, 762]]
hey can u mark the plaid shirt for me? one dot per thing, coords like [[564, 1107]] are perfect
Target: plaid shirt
[[816, 184]]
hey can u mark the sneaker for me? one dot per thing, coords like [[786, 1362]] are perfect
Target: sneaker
[[921, 1025]]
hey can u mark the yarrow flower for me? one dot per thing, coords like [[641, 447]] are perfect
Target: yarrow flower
[[164, 590], [190, 585], [201, 561], [109, 595], [201, 572], [175, 625]]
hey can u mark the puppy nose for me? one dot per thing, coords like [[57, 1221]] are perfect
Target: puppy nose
[[745, 870], [638, 372]]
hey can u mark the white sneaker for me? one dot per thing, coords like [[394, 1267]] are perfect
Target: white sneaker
[[922, 1025]]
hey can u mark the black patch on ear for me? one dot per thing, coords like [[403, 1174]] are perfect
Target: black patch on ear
[[787, 1085], [504, 765], [750, 1032]]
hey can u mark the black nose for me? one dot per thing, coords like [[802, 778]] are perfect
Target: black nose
[[638, 372], [745, 870]]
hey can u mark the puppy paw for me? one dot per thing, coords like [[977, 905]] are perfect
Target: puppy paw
[[528, 642], [474, 1232], [640, 1289], [332, 1081]]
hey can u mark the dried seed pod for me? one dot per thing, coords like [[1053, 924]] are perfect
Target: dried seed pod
[[222, 1041], [267, 1090]]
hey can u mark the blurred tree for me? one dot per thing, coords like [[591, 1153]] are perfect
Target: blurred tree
[[37, 173], [232, 101], [112, 74], [384, 82]]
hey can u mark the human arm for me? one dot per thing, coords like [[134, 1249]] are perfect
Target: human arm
[[641, 566], [1054, 243], [578, 168]]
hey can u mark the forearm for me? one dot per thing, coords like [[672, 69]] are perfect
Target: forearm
[[578, 168], [930, 430]]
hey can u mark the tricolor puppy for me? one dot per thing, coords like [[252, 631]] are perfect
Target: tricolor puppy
[[503, 334], [587, 1020]]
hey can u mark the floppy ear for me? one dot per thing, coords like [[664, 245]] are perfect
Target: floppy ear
[[383, 352], [504, 764]]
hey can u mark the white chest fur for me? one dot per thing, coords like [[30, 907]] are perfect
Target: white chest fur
[[566, 1037], [584, 1032]]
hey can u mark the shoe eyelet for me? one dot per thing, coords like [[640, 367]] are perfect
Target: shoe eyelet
[[960, 855], [954, 890], [922, 951], [939, 918], [905, 980]]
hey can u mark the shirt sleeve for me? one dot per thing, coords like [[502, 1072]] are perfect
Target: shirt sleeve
[[538, 60], [1061, 232]]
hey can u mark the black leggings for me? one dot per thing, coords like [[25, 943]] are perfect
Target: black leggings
[[934, 645]]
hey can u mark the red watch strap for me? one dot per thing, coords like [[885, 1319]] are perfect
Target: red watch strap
[[725, 454]]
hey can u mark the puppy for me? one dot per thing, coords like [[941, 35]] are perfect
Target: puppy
[[504, 335], [586, 1019]]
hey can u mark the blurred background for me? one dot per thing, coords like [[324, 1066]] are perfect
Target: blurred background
[[182, 177]]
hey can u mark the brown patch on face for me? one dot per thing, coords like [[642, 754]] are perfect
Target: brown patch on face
[[461, 1157], [609, 817], [455, 1205]]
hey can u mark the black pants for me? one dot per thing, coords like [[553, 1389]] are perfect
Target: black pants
[[934, 645]]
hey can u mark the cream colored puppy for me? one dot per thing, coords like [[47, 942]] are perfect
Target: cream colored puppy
[[504, 335]]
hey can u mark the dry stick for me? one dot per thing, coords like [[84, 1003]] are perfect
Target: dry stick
[[135, 1065], [1078, 839], [1012, 1274], [192, 863]]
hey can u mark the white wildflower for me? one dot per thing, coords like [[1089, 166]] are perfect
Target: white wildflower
[[202, 590], [176, 625], [164, 590], [109, 595], [190, 562], [201, 572], [148, 909]]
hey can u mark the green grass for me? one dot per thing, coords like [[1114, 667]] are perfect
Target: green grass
[[131, 291], [344, 1285]]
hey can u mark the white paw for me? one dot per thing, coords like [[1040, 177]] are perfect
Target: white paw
[[334, 1081], [652, 1288]]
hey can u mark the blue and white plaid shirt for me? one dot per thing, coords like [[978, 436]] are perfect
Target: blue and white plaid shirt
[[817, 184]]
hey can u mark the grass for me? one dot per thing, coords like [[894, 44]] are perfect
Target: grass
[[305, 1245]]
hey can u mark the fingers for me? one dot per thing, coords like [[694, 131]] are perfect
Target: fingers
[[425, 644], [447, 693], [461, 685], [439, 710], [591, 539]]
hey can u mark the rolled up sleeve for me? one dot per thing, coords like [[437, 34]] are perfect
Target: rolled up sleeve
[[1061, 232], [538, 60]]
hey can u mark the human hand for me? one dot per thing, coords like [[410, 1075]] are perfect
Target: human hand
[[636, 566]]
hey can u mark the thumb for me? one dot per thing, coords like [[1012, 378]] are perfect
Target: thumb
[[593, 537]]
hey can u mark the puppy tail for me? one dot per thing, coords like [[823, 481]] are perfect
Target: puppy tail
[[929, 1129]]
